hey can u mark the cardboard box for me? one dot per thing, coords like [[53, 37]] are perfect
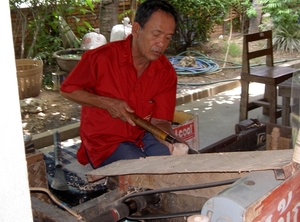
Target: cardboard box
[[187, 128]]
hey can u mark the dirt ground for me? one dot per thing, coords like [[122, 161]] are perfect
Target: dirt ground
[[50, 110]]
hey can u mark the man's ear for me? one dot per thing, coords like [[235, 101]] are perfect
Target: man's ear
[[135, 29]]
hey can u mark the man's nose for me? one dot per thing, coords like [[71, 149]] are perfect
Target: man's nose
[[162, 42]]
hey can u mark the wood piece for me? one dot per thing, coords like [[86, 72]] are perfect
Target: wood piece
[[44, 139], [285, 140], [198, 163], [275, 138], [286, 110]]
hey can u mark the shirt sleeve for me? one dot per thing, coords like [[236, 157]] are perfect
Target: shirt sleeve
[[81, 77]]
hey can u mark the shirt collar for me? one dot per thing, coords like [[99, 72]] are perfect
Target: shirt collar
[[127, 55]]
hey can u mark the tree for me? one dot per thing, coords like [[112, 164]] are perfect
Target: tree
[[198, 18], [108, 16], [255, 20]]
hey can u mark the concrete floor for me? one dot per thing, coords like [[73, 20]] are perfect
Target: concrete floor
[[218, 114]]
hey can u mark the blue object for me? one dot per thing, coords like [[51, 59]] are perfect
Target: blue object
[[204, 65]]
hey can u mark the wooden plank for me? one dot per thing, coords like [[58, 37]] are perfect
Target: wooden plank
[[44, 139], [197, 163]]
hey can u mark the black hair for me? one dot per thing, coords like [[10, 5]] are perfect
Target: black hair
[[147, 8]]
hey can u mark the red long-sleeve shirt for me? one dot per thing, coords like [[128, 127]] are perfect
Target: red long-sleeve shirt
[[109, 71]]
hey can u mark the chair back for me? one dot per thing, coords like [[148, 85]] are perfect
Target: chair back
[[249, 53]]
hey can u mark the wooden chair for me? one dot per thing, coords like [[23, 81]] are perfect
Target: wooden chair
[[268, 74]]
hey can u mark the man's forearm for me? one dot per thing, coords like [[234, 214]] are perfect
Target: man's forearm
[[85, 98]]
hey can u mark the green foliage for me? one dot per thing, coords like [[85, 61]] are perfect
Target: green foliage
[[283, 13], [248, 8], [234, 49], [40, 25], [284, 40], [44, 50], [284, 21], [251, 12], [198, 17], [47, 81]]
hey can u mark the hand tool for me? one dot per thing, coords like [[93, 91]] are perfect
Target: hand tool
[[59, 181], [157, 131]]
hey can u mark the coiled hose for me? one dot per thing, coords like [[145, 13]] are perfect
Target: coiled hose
[[206, 65]]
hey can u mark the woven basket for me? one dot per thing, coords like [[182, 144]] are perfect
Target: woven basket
[[37, 175], [30, 75]]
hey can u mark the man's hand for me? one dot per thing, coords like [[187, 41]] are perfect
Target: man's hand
[[118, 109], [167, 127]]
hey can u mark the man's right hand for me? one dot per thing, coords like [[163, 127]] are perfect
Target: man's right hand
[[118, 108]]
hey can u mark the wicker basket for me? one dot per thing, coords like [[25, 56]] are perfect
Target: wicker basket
[[30, 75], [37, 174]]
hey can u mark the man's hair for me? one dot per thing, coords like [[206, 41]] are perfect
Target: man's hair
[[147, 8]]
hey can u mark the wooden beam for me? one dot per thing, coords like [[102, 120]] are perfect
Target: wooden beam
[[44, 139], [196, 163]]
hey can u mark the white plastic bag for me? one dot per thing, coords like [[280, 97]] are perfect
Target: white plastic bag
[[121, 31], [92, 40]]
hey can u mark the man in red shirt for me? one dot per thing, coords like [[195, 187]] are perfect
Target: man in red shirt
[[130, 75]]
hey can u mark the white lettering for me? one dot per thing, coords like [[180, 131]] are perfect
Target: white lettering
[[184, 132], [295, 210], [281, 208], [282, 205]]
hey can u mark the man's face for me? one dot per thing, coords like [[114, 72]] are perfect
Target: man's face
[[154, 38]]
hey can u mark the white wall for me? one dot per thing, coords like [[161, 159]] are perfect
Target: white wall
[[15, 202]]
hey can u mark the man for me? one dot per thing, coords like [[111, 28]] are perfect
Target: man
[[122, 77]]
